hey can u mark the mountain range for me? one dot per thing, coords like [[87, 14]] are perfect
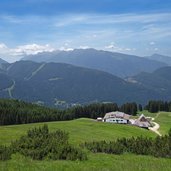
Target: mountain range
[[2, 64], [118, 64], [2, 61], [159, 81], [59, 84], [160, 58]]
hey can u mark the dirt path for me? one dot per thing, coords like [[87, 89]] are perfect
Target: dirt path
[[156, 126], [157, 115]]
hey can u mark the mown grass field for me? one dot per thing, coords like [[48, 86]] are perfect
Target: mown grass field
[[82, 130]]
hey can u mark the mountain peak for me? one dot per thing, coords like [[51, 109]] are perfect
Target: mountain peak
[[160, 58], [2, 61], [118, 64], [157, 54]]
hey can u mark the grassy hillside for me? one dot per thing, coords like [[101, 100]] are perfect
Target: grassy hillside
[[96, 162], [81, 130], [164, 119]]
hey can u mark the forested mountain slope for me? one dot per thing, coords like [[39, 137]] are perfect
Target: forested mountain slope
[[118, 64]]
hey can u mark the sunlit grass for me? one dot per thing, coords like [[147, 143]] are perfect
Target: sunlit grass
[[82, 130]]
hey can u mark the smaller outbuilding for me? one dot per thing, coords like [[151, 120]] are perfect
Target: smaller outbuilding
[[99, 119], [142, 122]]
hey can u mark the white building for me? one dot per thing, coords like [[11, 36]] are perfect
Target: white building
[[100, 119], [116, 117]]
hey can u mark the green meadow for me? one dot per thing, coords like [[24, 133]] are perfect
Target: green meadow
[[95, 162], [82, 130], [162, 118]]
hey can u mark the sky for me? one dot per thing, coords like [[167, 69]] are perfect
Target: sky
[[138, 27]]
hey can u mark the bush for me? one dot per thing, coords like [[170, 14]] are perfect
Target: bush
[[158, 147], [40, 144], [5, 153]]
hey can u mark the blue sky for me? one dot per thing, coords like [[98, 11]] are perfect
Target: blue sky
[[140, 27]]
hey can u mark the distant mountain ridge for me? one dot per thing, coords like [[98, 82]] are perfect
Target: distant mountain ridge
[[118, 64], [2, 64], [2, 61], [58, 84], [160, 58], [158, 81]]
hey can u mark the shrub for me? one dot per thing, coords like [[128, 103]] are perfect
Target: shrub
[[158, 147], [5, 153], [39, 144]]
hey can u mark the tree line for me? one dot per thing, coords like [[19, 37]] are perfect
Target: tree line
[[158, 147], [156, 106], [40, 144], [20, 112]]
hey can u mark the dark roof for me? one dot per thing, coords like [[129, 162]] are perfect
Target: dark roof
[[142, 122]]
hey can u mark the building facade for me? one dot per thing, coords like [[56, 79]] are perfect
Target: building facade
[[116, 117]]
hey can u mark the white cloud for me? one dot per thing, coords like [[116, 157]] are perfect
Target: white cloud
[[132, 32], [11, 19], [2, 46], [13, 54], [91, 19], [128, 49], [32, 49], [84, 47], [152, 43], [69, 20], [64, 48], [114, 47], [4, 50]]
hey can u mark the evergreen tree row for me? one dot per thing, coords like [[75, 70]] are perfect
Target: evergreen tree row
[[156, 106], [19, 112], [158, 147], [129, 108], [40, 144]]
